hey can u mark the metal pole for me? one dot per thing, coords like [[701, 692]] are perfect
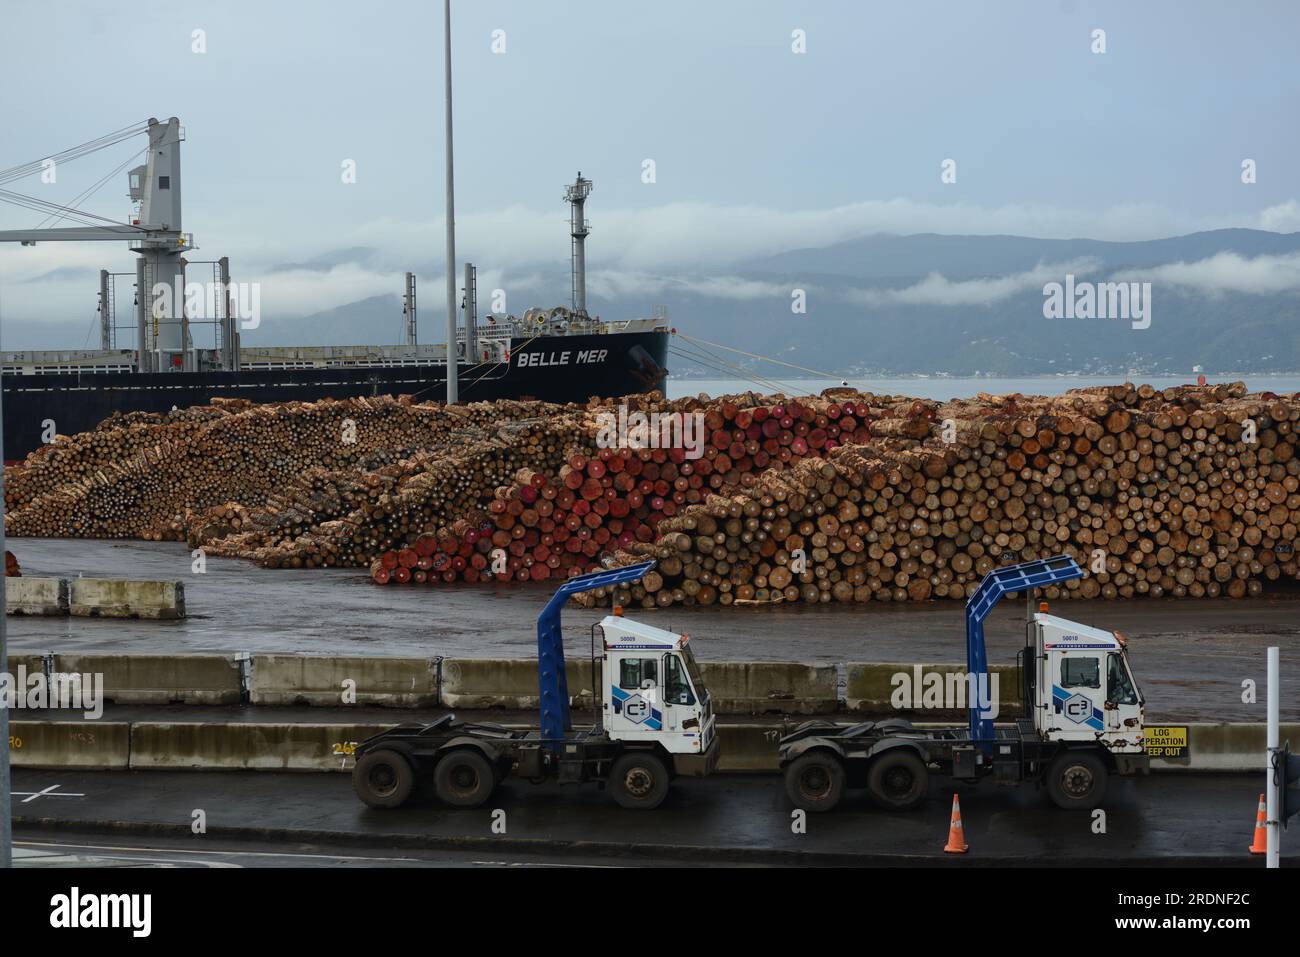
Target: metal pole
[[471, 314], [144, 364], [1273, 809], [230, 327], [453, 372], [105, 313], [6, 821]]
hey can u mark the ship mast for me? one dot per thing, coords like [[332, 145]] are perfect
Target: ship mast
[[576, 196]]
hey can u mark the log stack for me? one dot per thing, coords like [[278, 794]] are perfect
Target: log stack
[[842, 497], [150, 478], [1189, 492], [541, 528]]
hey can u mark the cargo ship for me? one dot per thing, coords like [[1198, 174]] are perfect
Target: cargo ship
[[562, 354], [48, 393]]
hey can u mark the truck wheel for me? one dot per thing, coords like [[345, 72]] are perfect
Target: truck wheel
[[1077, 780], [463, 778], [815, 782], [898, 780], [639, 780], [383, 779]]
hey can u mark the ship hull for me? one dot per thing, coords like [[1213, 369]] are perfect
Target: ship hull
[[551, 368]]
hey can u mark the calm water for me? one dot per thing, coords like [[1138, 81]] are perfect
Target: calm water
[[945, 389]]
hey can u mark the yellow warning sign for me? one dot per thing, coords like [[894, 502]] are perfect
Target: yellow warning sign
[[1166, 742]]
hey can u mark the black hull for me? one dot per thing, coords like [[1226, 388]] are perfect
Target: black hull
[[553, 369]]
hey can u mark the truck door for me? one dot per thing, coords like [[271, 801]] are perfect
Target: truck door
[[679, 698], [635, 705], [1123, 704], [1078, 695]]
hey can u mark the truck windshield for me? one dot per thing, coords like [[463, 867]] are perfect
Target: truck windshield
[[1119, 683], [677, 690], [693, 669], [696, 681]]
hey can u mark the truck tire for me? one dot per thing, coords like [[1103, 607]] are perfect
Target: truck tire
[[1077, 780], [639, 780], [898, 779], [383, 779], [463, 778], [815, 781]]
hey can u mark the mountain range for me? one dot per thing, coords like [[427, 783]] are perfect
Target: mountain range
[[1223, 300]]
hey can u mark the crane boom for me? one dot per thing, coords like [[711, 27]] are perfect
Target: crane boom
[[552, 681], [1019, 578]]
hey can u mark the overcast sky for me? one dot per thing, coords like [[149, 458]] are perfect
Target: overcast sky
[[756, 148]]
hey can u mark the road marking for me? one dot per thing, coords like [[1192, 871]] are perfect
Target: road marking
[[166, 850], [606, 867], [48, 792], [337, 857]]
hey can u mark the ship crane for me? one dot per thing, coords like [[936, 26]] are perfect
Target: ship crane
[[154, 233]]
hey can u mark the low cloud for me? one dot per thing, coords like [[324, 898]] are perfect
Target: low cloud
[[689, 247], [303, 291], [703, 236], [1283, 218], [613, 284], [1226, 273], [936, 290]]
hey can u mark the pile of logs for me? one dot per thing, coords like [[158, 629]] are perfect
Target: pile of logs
[[150, 477], [1191, 492], [843, 497], [332, 518], [558, 524]]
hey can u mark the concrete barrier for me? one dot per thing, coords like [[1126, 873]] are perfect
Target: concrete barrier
[[160, 679], [254, 747], [770, 687], [511, 683], [1228, 746], [872, 686], [324, 680], [753, 687], [85, 745], [329, 746], [125, 598], [36, 596], [30, 664]]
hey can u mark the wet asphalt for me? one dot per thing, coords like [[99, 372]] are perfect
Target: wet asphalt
[[1193, 658], [1183, 820]]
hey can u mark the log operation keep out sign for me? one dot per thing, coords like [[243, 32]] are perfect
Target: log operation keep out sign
[[1167, 742]]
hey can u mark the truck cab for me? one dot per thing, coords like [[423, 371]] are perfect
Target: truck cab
[[1081, 688], [653, 693], [1083, 718], [655, 722]]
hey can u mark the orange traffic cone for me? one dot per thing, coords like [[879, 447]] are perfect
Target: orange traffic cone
[[956, 835], [1261, 832]]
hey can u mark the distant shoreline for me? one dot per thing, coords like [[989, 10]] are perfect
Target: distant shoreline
[[944, 388]]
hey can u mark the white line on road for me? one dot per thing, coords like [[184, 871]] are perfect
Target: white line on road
[[164, 850], [283, 854], [48, 792], [601, 867]]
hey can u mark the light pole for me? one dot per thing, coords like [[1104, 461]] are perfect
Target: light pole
[[6, 821], [1273, 795], [453, 372]]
